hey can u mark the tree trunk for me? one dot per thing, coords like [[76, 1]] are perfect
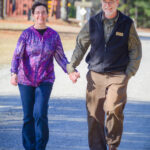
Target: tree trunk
[[1, 9], [64, 10]]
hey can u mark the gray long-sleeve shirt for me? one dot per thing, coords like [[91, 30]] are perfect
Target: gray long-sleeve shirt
[[83, 42]]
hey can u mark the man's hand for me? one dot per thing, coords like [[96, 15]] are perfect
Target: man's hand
[[74, 76], [14, 80]]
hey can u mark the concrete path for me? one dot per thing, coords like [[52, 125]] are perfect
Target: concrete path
[[68, 125]]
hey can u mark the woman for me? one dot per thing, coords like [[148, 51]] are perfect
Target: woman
[[32, 70]]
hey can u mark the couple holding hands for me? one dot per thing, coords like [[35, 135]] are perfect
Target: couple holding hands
[[114, 57]]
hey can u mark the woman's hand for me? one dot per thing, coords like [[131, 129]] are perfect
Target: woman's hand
[[74, 76], [14, 79]]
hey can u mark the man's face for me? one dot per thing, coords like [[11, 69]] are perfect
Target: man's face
[[110, 8]]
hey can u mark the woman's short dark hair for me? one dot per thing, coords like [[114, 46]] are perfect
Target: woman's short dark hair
[[38, 4]]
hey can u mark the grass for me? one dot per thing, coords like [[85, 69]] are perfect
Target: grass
[[7, 45], [8, 40]]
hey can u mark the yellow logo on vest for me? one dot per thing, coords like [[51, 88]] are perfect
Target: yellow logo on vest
[[119, 34]]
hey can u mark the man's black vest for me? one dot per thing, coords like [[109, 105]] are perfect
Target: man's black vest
[[111, 56]]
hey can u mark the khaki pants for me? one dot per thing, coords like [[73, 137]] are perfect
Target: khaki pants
[[106, 95]]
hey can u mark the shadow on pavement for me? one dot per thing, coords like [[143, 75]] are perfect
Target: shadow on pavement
[[68, 125]]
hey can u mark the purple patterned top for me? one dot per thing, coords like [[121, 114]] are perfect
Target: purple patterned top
[[33, 56]]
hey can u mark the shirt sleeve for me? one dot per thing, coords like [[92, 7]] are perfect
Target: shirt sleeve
[[18, 53], [82, 44], [135, 52], [59, 54]]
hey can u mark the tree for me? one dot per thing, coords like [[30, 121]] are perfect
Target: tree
[[64, 10], [139, 10]]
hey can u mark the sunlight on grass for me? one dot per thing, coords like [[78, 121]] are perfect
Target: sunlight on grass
[[8, 42]]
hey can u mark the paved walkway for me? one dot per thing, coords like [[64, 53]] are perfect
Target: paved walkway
[[68, 125]]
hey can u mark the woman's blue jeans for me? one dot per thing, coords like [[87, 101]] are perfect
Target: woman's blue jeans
[[35, 131]]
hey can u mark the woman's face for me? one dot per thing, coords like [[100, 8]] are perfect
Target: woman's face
[[40, 15]]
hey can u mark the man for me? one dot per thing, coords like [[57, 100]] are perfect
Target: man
[[114, 57]]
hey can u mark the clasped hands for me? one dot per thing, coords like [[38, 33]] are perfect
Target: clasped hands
[[74, 76]]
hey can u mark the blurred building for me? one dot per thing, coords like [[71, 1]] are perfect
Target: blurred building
[[18, 7], [22, 8], [57, 8]]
